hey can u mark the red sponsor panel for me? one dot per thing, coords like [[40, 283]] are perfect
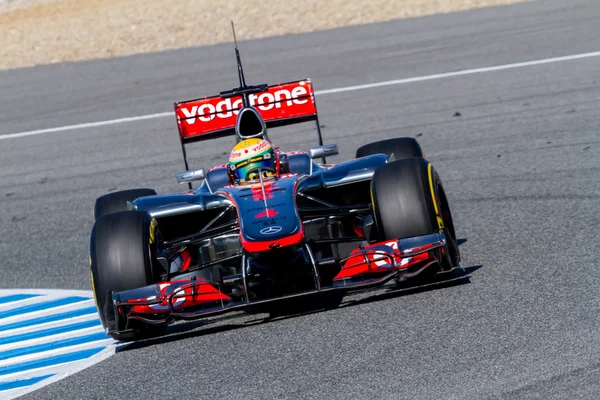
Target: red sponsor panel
[[215, 114]]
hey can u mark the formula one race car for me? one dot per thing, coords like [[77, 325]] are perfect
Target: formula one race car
[[269, 225]]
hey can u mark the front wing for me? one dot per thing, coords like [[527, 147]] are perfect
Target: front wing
[[366, 266]]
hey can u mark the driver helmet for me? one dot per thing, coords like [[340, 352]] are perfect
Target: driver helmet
[[252, 157]]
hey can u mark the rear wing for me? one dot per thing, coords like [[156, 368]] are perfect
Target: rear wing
[[215, 116]]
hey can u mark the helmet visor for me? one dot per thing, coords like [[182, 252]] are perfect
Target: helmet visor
[[248, 169]]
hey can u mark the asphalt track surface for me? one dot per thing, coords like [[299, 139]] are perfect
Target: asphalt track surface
[[521, 166]]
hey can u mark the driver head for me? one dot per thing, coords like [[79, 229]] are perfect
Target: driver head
[[252, 157]]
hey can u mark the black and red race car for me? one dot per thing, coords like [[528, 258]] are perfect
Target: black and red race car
[[312, 228]]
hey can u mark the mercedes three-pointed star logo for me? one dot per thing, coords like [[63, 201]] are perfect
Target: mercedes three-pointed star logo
[[271, 230]]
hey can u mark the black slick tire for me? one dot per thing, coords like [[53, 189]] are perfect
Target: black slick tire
[[409, 200], [399, 148], [117, 201], [403, 200], [121, 248]]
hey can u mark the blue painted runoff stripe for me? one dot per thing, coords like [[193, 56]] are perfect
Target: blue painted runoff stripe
[[47, 362], [49, 318], [53, 345], [22, 382], [42, 306], [17, 297], [49, 332]]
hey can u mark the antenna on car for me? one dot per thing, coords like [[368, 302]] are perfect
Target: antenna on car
[[239, 60], [244, 90]]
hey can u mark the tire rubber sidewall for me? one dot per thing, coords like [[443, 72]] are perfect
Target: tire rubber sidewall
[[403, 200], [117, 201], [121, 247], [399, 148]]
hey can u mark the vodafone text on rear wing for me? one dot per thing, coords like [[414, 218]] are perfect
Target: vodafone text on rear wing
[[215, 116]]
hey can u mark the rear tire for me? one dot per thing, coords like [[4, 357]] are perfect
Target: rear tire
[[122, 245], [399, 148], [409, 200], [117, 201]]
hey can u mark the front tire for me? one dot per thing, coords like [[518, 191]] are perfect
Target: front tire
[[399, 148], [122, 245], [117, 201], [409, 200]]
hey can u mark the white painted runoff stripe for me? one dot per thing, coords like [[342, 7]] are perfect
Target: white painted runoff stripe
[[59, 372], [32, 301], [47, 335], [33, 313], [71, 331], [324, 92], [52, 348], [47, 350], [10, 302], [88, 314]]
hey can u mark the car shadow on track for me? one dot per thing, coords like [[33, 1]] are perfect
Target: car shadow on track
[[183, 331], [441, 281], [311, 305]]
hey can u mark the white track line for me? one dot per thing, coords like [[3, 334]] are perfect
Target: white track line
[[460, 73], [87, 125], [324, 92]]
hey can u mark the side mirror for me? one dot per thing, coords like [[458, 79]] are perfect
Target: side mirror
[[326, 150], [191, 176]]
